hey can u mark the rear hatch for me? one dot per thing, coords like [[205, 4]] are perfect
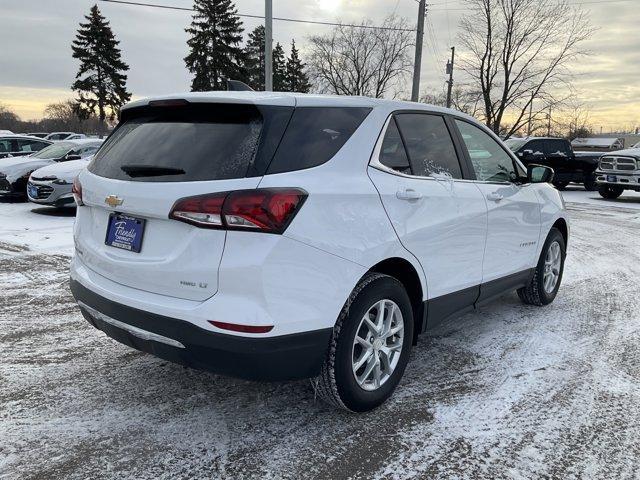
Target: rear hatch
[[158, 154]]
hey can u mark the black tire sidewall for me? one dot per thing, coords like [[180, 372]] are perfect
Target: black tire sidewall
[[610, 192], [554, 235], [351, 394]]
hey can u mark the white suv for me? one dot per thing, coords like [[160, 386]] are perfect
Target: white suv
[[284, 236]]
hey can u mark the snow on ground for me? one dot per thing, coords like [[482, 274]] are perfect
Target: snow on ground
[[41, 229], [509, 391], [577, 194]]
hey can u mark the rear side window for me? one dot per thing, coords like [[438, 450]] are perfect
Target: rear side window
[[429, 144], [392, 153], [314, 136], [186, 143]]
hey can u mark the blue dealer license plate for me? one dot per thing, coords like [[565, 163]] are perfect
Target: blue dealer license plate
[[32, 191], [612, 178], [125, 232]]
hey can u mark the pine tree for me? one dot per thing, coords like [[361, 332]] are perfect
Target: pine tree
[[279, 69], [100, 81], [296, 79], [254, 58], [216, 54]]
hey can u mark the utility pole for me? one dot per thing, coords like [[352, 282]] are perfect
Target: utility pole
[[530, 115], [549, 122], [415, 90], [268, 45], [450, 72]]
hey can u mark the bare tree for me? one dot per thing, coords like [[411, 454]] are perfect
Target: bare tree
[[518, 52], [463, 99], [362, 61]]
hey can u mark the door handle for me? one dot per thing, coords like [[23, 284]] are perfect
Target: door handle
[[408, 194], [494, 196]]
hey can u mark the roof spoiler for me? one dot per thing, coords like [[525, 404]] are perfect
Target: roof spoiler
[[238, 86]]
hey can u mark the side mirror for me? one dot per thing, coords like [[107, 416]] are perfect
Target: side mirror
[[72, 157], [539, 174], [528, 155]]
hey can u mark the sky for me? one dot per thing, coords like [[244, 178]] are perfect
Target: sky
[[36, 67]]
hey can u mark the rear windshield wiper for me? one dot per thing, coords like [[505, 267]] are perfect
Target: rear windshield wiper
[[150, 170]]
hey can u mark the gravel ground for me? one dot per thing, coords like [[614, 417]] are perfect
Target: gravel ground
[[509, 391]]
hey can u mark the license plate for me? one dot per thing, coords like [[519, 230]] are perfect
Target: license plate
[[125, 232], [612, 178], [32, 191]]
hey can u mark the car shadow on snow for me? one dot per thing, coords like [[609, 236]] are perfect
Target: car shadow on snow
[[55, 212]]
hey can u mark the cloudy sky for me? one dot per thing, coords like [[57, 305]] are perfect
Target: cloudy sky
[[36, 66]]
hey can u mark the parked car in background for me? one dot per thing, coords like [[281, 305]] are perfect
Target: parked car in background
[[282, 236], [19, 145], [619, 171], [51, 185], [38, 134], [6, 132], [57, 136], [598, 144], [569, 166], [15, 172]]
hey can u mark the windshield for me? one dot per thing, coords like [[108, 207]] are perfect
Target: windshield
[[56, 150], [514, 144]]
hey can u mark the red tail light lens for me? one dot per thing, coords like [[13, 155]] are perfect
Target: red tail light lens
[[268, 210], [76, 190], [234, 327]]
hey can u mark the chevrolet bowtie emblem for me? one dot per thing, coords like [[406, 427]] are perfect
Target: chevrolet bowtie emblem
[[113, 201]]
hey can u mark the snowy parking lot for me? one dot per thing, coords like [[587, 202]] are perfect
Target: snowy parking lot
[[509, 391]]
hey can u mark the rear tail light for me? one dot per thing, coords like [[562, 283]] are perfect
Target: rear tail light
[[269, 210], [76, 189]]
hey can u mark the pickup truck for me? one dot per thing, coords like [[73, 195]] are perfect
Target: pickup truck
[[619, 171], [557, 153]]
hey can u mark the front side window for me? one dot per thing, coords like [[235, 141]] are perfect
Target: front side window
[[393, 154], [557, 148], [490, 161], [536, 147], [5, 146], [429, 145]]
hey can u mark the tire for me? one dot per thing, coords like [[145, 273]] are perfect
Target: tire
[[610, 192], [590, 184], [560, 185], [537, 291], [337, 383]]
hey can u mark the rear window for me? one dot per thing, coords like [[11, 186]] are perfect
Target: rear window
[[190, 143], [314, 136]]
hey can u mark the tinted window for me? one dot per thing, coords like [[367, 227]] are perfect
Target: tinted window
[[314, 136], [429, 144], [185, 143], [5, 146], [557, 148], [30, 145], [392, 153], [490, 161], [536, 146]]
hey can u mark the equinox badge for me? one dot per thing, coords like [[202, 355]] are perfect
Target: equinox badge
[[113, 201]]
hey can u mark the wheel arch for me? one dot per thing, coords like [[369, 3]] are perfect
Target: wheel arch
[[563, 227], [406, 273]]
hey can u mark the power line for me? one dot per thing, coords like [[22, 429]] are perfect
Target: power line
[[573, 3], [261, 17]]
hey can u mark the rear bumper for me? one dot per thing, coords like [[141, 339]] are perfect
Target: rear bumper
[[285, 357]]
